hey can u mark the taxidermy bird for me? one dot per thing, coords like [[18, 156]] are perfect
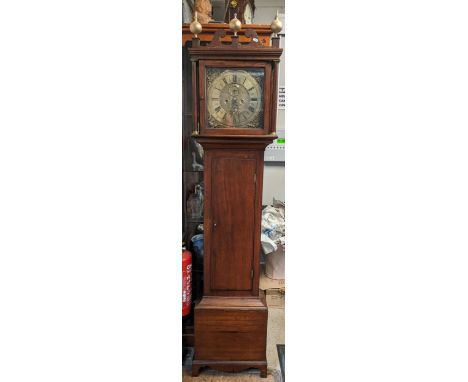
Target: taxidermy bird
[[195, 165], [199, 149]]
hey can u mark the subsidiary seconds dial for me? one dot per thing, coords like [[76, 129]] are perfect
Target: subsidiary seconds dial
[[235, 99]]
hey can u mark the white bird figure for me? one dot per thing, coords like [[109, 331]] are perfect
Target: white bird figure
[[195, 165]]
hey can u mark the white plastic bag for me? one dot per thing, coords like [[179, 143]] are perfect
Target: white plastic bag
[[273, 239]]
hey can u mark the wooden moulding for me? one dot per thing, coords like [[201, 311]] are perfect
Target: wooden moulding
[[264, 33], [238, 54], [233, 302], [248, 142]]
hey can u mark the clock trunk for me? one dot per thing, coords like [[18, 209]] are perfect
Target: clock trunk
[[232, 226]]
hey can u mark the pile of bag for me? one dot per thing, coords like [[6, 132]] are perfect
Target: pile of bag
[[272, 239]]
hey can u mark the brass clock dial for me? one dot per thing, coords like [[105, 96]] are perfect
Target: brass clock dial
[[234, 98]]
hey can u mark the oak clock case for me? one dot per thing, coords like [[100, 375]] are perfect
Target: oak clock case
[[234, 107]]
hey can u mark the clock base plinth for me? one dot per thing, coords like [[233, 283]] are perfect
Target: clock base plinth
[[230, 334]]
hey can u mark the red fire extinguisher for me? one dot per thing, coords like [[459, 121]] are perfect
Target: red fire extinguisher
[[186, 281]]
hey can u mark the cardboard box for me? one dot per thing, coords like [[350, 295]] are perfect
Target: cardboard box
[[274, 290], [275, 298]]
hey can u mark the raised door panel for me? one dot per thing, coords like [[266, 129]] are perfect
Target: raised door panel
[[233, 222]]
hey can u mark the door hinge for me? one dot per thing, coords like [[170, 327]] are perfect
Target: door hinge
[[255, 178], [251, 273]]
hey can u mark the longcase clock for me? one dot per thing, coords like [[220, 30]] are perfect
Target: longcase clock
[[234, 94]]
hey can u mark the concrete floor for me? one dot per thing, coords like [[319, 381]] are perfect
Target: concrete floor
[[208, 375], [275, 335]]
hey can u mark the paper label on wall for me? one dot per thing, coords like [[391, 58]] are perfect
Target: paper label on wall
[[281, 97]]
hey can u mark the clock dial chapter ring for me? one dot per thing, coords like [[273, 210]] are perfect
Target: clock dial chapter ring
[[234, 98]]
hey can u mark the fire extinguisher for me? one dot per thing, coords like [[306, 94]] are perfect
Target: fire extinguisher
[[186, 281]]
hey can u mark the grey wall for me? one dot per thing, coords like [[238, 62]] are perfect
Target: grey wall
[[265, 10]]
